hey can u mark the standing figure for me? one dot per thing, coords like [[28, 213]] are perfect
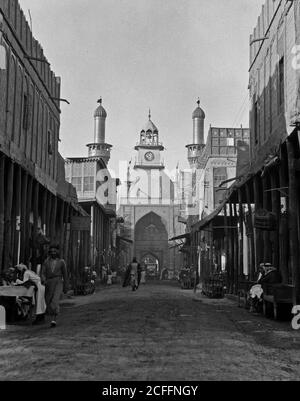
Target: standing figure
[[54, 275], [143, 275], [109, 276], [135, 270]]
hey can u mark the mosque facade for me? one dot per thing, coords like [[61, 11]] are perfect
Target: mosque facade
[[150, 208]]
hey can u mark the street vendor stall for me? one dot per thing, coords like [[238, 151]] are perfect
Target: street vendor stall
[[21, 295]]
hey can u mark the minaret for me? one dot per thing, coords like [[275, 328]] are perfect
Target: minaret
[[99, 148], [195, 149]]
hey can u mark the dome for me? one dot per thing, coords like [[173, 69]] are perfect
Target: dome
[[100, 111], [150, 126], [198, 112]]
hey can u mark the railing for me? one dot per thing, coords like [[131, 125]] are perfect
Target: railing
[[140, 143], [149, 164]]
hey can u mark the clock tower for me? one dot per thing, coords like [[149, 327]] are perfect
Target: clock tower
[[149, 148]]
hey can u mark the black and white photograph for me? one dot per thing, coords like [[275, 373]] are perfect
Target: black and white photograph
[[149, 194]]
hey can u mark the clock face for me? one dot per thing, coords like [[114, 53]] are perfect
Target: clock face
[[149, 156]]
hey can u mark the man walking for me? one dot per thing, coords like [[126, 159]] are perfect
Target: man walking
[[54, 275], [135, 274]]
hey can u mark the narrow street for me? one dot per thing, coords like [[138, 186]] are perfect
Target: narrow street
[[158, 333]]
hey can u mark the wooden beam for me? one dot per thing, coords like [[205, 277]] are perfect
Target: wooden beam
[[267, 251], [8, 254], [251, 232], [236, 251], [283, 223], [27, 219], [226, 246], [23, 216], [36, 190], [67, 253], [2, 210], [17, 228], [61, 217], [293, 219], [275, 196], [258, 238], [44, 210], [53, 217], [231, 250], [49, 215], [241, 233]]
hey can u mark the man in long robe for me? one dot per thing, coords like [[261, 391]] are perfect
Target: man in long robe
[[54, 275]]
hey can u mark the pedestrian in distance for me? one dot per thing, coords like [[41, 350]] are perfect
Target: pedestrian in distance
[[143, 275], [135, 274], [54, 276]]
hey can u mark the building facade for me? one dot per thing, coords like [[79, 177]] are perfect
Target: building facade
[[35, 199], [96, 191], [261, 209], [149, 208]]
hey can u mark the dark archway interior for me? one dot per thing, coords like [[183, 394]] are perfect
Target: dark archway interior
[[151, 241]]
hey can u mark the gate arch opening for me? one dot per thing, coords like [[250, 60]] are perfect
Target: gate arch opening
[[151, 242]]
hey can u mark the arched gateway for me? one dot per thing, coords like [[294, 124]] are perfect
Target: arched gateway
[[151, 243]]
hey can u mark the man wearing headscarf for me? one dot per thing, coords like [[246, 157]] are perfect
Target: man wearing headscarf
[[54, 275], [28, 276]]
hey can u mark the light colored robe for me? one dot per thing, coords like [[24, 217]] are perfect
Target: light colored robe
[[40, 293]]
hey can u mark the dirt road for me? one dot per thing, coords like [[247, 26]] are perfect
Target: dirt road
[[157, 333]]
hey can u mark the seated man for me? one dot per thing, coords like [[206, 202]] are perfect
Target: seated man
[[267, 275], [271, 276], [256, 291], [28, 277]]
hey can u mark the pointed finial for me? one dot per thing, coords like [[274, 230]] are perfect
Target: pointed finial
[[99, 100], [198, 101], [149, 114]]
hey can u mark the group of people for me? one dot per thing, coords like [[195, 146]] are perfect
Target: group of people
[[49, 285], [267, 274], [135, 275]]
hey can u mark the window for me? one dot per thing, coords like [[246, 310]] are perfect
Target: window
[[50, 142], [230, 142], [77, 183], [256, 123], [25, 112], [88, 173], [77, 176], [88, 184], [220, 175], [68, 171], [231, 150], [281, 82]]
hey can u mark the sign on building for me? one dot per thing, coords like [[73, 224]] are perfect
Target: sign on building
[[80, 223]]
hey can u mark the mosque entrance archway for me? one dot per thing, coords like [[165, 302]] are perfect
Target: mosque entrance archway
[[151, 242], [151, 264]]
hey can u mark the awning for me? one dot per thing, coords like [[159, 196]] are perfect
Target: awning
[[125, 239], [183, 236], [202, 223]]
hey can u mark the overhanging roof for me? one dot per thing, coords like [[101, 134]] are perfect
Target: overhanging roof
[[202, 223], [183, 236], [125, 239]]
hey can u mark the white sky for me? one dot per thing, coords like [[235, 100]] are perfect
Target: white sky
[[137, 54]]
